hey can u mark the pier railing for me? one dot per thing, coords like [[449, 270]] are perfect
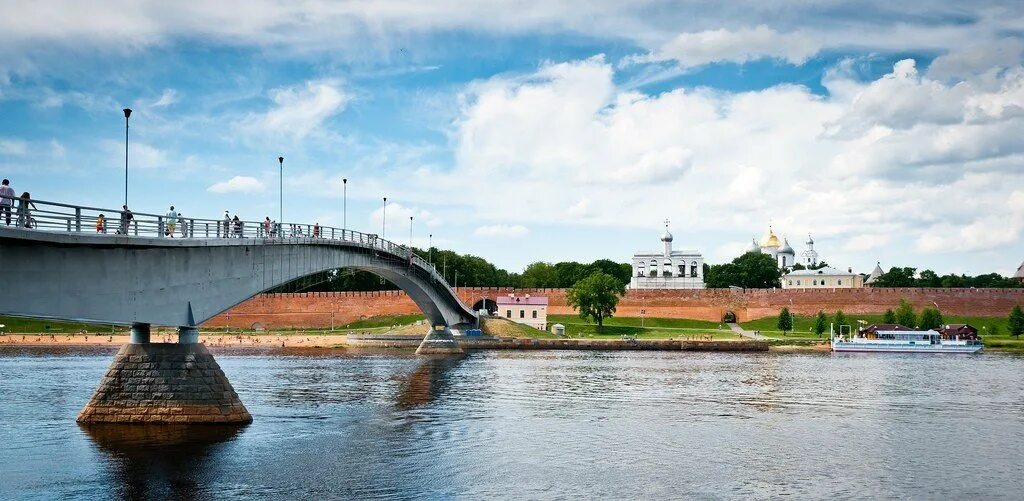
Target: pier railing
[[41, 215]]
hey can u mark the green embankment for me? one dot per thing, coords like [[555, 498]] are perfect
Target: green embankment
[[30, 326], [653, 328], [384, 321]]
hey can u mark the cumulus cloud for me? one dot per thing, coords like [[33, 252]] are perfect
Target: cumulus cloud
[[502, 230], [13, 147], [734, 46], [300, 109], [873, 164], [238, 184], [397, 219]]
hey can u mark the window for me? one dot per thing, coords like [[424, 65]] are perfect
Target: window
[[693, 269], [790, 282], [815, 282], [534, 313], [783, 261], [522, 313], [508, 313], [798, 282], [839, 282]]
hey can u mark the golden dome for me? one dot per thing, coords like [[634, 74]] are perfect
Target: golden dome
[[770, 240]]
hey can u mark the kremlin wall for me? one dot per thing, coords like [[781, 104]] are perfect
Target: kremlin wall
[[326, 309]]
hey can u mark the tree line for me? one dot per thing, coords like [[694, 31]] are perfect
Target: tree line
[[908, 277]]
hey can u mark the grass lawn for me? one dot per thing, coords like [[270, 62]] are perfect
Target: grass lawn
[[31, 325], [500, 327], [384, 321], [654, 328]]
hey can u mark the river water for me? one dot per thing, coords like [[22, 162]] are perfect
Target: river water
[[535, 425]]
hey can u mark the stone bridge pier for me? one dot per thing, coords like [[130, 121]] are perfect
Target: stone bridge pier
[[164, 383]]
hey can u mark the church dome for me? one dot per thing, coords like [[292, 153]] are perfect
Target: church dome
[[770, 240], [666, 237], [786, 249], [753, 246]]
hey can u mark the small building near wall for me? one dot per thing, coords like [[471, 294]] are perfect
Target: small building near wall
[[823, 278], [667, 269], [529, 310]]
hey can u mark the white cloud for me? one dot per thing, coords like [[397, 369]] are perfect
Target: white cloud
[[398, 219], [238, 184], [502, 230], [13, 147], [300, 109], [167, 98], [735, 46]]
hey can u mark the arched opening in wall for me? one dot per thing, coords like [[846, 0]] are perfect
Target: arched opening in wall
[[729, 317], [487, 304], [256, 326]]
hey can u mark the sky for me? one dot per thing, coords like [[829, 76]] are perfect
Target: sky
[[524, 131]]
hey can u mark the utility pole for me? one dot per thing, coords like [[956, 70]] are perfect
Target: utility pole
[[127, 113], [280, 191]]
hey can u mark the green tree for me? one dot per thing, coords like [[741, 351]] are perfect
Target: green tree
[[596, 296], [1016, 321], [839, 319], [905, 314], [897, 277], [889, 317], [621, 271], [931, 318], [928, 278], [785, 322], [751, 271], [540, 275], [820, 322], [994, 330]]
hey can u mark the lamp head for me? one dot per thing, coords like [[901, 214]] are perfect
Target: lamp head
[[280, 160], [127, 112]]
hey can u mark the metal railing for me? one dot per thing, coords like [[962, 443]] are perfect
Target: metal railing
[[41, 215]]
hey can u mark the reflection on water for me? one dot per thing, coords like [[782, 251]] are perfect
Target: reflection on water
[[159, 461], [533, 425]]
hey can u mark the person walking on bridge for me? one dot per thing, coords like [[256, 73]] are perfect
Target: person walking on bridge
[[126, 220], [238, 226], [266, 227], [6, 200], [24, 210], [316, 230], [227, 224], [170, 220], [184, 226], [101, 224]]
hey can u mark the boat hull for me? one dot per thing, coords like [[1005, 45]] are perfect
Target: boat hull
[[925, 348]]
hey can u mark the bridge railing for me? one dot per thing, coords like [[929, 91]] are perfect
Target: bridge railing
[[41, 215]]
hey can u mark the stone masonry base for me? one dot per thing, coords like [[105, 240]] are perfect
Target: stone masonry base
[[164, 383]]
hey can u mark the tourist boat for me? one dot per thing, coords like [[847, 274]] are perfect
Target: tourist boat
[[904, 342]]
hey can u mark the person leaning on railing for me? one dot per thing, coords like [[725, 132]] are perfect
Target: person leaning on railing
[[24, 211], [6, 200], [126, 220]]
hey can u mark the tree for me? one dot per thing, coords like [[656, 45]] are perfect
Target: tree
[[896, 277], [751, 271], [889, 317], [819, 323], [785, 322], [540, 275], [929, 278], [905, 314], [931, 318], [1016, 321], [840, 320], [596, 296], [622, 271]]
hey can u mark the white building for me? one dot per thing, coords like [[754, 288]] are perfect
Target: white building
[[780, 250], [529, 310], [822, 278], [668, 269]]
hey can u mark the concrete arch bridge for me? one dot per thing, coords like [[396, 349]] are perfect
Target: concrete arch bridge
[[71, 263]]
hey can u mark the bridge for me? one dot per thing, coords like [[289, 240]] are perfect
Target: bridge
[[91, 264]]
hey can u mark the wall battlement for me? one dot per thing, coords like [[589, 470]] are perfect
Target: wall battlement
[[324, 309]]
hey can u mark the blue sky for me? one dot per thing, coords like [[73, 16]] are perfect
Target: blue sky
[[525, 131]]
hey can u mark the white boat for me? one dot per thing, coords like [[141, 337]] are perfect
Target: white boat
[[905, 342]]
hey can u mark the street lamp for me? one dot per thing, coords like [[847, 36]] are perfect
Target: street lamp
[[410, 233], [344, 205], [430, 249], [127, 113], [384, 218], [280, 191]]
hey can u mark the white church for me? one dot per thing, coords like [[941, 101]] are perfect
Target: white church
[[668, 269]]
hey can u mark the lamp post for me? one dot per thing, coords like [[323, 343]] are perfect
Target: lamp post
[[384, 218], [430, 250], [344, 206], [127, 113], [280, 191], [410, 234]]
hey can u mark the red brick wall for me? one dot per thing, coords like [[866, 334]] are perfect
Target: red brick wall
[[315, 309]]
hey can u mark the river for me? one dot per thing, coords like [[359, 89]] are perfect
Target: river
[[534, 425]]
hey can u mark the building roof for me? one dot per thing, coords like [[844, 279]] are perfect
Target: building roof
[[753, 246], [523, 300], [826, 271], [786, 249], [885, 328], [875, 273], [661, 255], [1020, 272], [770, 239]]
